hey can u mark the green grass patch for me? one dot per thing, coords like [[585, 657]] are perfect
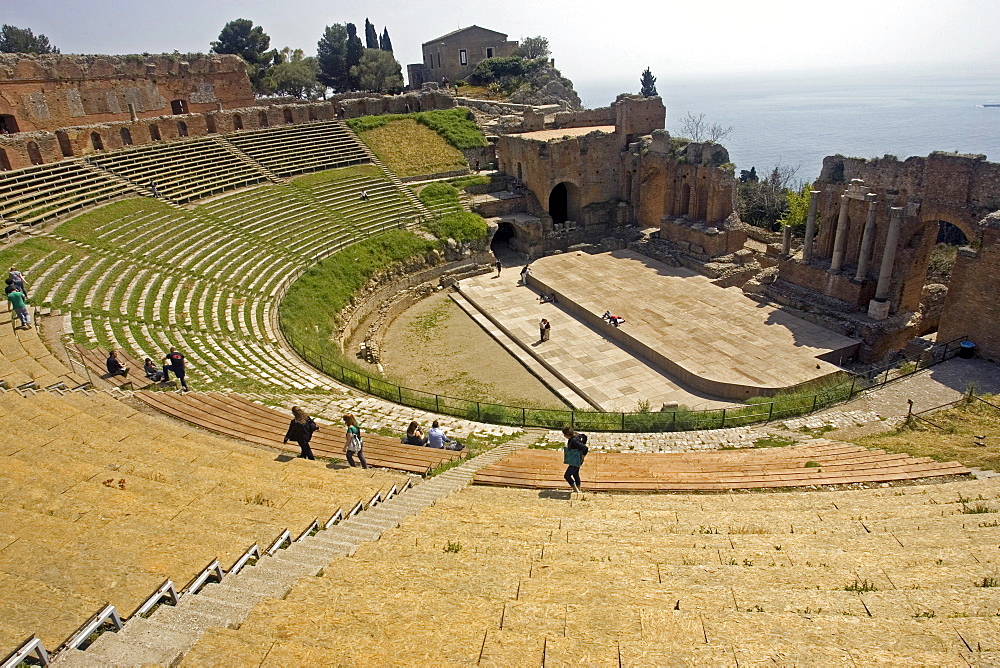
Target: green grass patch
[[773, 442], [309, 313], [411, 149], [461, 182], [340, 174], [84, 226], [461, 226]]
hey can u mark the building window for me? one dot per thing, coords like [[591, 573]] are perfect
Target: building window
[[439, 59], [489, 52], [463, 57]]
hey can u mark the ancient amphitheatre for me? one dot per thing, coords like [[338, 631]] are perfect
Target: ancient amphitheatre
[[142, 526]]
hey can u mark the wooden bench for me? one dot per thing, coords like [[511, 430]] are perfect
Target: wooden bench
[[95, 359], [829, 463], [236, 416]]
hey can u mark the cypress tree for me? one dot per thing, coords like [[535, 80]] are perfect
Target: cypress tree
[[648, 82], [385, 44], [371, 35]]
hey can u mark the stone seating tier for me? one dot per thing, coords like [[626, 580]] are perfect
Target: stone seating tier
[[301, 148]]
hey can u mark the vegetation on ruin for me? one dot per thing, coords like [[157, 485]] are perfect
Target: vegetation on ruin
[[527, 77], [310, 311], [647, 84], [952, 437], [941, 262], [456, 126], [462, 226], [252, 44], [23, 40], [763, 202], [345, 63]]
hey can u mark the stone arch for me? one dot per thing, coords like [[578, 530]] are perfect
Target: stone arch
[[34, 154], [564, 202], [237, 122], [178, 107], [210, 124], [504, 238], [928, 255], [154, 132], [182, 129], [65, 146], [262, 119], [287, 114], [964, 225], [4, 161], [126, 136], [97, 141]]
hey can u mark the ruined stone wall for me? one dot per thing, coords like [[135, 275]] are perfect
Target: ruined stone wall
[[972, 307], [958, 189], [585, 118], [52, 91], [637, 116], [590, 165]]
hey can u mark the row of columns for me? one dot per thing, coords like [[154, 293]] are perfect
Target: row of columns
[[879, 307]]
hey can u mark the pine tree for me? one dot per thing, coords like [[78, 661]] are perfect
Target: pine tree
[[371, 35], [331, 53], [648, 82], [385, 43], [22, 40]]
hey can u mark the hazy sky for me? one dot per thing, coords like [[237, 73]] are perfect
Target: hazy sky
[[595, 43]]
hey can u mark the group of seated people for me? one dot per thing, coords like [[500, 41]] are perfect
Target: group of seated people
[[435, 438]]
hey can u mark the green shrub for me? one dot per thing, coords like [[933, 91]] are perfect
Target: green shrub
[[438, 192], [461, 226], [456, 126], [491, 69]]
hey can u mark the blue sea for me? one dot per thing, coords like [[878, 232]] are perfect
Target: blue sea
[[796, 120]]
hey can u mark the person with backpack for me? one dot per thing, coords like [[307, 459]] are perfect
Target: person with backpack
[[301, 430], [573, 454], [354, 445]]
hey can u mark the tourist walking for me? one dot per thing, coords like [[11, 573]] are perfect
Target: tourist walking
[[525, 272], [115, 367], [499, 267], [543, 330], [17, 302], [301, 430], [175, 364], [353, 444], [573, 454]]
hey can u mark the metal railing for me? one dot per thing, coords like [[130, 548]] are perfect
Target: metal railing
[[681, 419]]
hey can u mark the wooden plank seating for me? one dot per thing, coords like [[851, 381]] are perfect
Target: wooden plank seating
[[829, 463], [236, 416], [95, 359]]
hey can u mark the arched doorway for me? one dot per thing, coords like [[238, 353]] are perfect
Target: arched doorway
[[96, 141], [126, 137], [237, 122], [287, 113], [154, 132], [210, 124], [34, 154], [182, 129], [262, 119], [503, 238], [564, 203], [4, 161], [64, 144], [179, 107]]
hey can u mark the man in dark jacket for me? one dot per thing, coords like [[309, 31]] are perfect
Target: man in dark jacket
[[573, 454], [175, 363], [115, 367]]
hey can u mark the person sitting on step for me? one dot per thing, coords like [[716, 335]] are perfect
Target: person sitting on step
[[414, 435], [115, 368]]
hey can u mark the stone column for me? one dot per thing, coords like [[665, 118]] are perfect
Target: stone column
[[841, 237], [879, 307], [867, 239], [786, 240], [131, 112], [807, 248]]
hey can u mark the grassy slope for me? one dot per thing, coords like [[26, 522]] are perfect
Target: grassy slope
[[954, 440], [411, 149]]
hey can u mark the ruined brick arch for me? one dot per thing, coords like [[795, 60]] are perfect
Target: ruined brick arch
[[4, 161], [237, 122], [8, 124], [210, 124], [962, 223], [154, 132], [96, 141], [126, 136], [262, 119], [287, 114], [178, 107], [182, 129]]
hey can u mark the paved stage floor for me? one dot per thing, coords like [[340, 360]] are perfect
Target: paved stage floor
[[694, 336]]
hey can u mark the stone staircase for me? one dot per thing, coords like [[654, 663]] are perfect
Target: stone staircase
[[163, 637]]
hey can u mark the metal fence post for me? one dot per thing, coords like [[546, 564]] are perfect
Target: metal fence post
[[854, 379], [524, 417], [437, 403], [815, 399], [770, 412], [723, 418]]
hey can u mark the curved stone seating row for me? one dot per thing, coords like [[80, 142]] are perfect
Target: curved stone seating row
[[293, 149], [100, 502], [26, 362], [819, 462], [493, 576], [235, 416]]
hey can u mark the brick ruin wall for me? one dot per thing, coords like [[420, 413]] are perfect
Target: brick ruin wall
[[973, 305]]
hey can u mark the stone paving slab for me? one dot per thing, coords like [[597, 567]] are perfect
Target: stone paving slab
[[585, 359], [712, 338]]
